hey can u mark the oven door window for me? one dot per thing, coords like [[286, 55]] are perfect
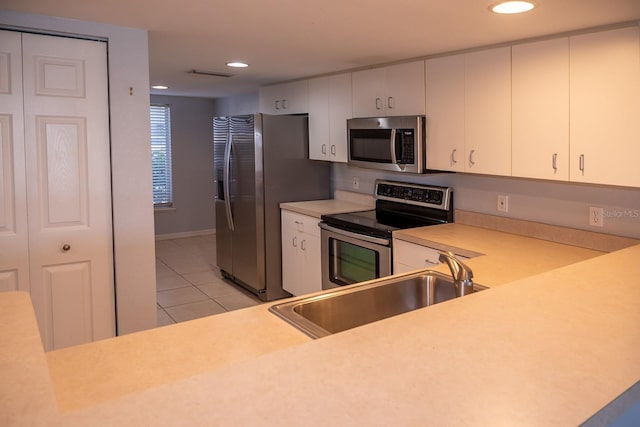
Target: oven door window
[[371, 145], [351, 263]]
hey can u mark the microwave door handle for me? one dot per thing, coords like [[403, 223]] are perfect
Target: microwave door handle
[[392, 147]]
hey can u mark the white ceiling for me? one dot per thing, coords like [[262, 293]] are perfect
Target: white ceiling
[[289, 39]]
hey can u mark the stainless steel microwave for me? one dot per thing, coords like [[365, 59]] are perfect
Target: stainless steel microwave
[[396, 144]]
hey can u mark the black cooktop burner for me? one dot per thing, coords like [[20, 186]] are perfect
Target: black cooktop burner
[[397, 207]]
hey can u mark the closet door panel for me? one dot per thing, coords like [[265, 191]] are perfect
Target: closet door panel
[[68, 188], [14, 239]]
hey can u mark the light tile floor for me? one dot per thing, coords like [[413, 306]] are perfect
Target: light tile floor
[[189, 284]]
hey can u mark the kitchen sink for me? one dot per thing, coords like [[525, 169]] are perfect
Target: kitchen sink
[[356, 305]]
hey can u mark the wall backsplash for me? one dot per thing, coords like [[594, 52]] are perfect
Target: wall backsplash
[[556, 203]]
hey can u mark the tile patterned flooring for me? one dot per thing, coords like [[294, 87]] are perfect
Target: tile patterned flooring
[[189, 284]]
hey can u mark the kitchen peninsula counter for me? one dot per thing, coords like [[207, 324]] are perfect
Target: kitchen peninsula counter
[[548, 349]]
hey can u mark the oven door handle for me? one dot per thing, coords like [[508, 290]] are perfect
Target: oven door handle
[[370, 239]]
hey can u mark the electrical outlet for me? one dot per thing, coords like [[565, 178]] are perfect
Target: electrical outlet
[[596, 217], [355, 183], [503, 203]]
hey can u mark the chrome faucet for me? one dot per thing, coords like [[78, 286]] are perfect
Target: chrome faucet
[[461, 273]]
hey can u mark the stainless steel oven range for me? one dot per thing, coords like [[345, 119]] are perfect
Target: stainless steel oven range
[[356, 246]]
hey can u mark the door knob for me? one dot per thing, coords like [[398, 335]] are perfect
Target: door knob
[[66, 247]]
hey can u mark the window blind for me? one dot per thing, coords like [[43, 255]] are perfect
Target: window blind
[[161, 155]]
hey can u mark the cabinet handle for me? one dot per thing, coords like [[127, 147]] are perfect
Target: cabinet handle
[[390, 102], [294, 241], [554, 162], [453, 157], [324, 148], [284, 104], [581, 166], [429, 262], [471, 161], [302, 245], [378, 104], [333, 149], [277, 104]]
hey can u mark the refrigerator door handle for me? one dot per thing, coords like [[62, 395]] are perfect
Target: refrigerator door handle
[[227, 189]]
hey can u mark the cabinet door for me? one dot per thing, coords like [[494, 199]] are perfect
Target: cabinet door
[[445, 113], [270, 98], [368, 93], [14, 237], [319, 123], [404, 89], [340, 110], [66, 121], [329, 109], [290, 242], [540, 134], [301, 263], [310, 279], [605, 107], [488, 111], [296, 98], [286, 98]]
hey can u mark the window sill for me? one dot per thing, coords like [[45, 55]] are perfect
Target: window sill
[[164, 209]]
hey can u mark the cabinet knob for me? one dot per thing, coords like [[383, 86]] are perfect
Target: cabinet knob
[[66, 247]]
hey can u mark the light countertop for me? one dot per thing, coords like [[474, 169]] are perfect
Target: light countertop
[[547, 349], [344, 202], [497, 258]]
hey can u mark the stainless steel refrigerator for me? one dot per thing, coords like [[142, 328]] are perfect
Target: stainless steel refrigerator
[[260, 161]]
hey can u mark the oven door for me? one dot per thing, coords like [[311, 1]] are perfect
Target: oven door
[[349, 257]]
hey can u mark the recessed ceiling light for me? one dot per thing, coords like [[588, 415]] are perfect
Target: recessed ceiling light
[[510, 7], [236, 64], [160, 87]]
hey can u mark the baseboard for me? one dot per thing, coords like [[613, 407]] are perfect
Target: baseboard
[[184, 234]]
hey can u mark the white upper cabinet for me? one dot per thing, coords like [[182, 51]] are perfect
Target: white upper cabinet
[[445, 113], [396, 90], [469, 112], [605, 107], [286, 98], [540, 109], [329, 110], [487, 111]]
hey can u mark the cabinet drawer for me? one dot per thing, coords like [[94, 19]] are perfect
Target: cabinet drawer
[[416, 256], [302, 223]]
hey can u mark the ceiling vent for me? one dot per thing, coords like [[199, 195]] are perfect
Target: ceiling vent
[[210, 73]]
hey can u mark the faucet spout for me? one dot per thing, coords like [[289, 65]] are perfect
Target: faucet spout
[[462, 274]]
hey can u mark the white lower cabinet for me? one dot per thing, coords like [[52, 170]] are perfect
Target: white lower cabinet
[[301, 260], [409, 256]]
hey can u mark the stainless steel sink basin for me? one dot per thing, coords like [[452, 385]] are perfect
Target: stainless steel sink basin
[[356, 305]]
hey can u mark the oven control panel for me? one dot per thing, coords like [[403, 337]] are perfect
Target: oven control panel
[[417, 194]]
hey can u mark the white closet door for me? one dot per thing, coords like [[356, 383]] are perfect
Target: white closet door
[[14, 239], [68, 188]]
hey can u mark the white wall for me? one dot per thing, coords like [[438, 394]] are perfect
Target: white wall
[[235, 105], [192, 168], [134, 250], [556, 203]]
